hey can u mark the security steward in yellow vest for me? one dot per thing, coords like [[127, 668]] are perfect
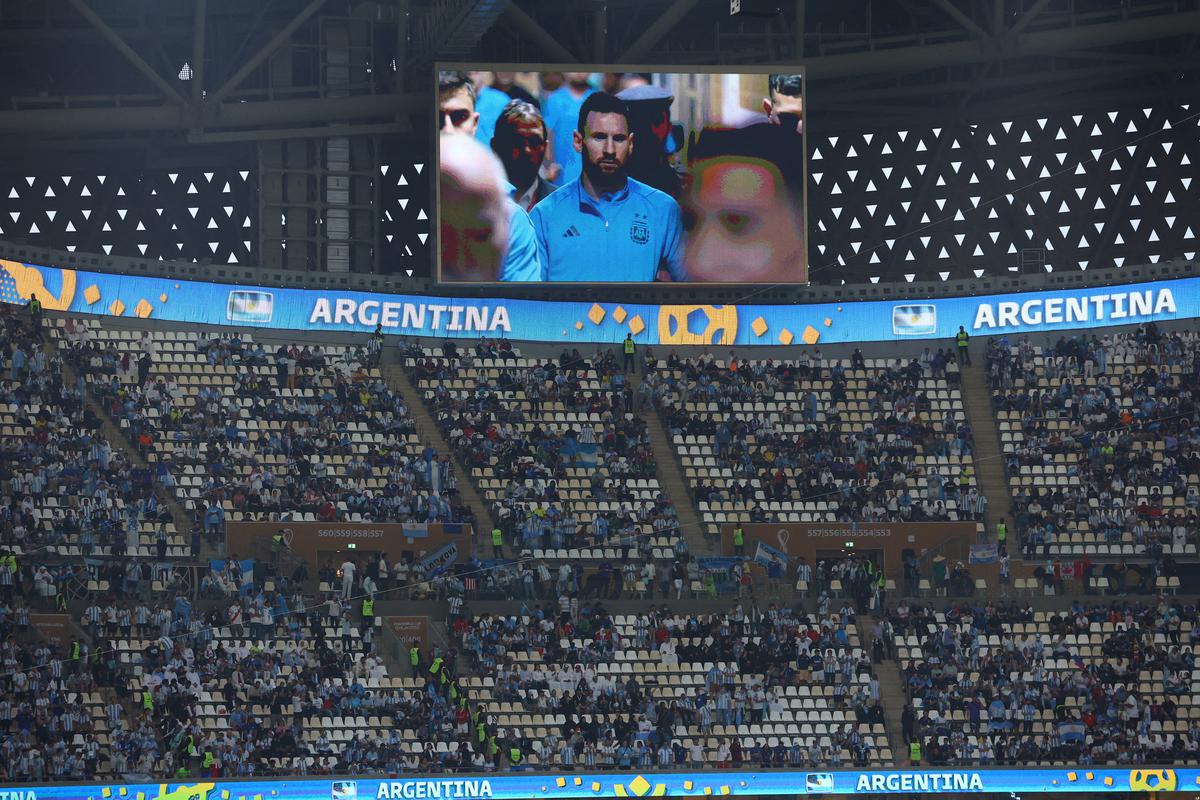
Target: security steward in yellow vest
[[497, 543], [963, 340], [414, 658]]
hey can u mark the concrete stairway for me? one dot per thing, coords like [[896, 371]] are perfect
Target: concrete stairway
[[989, 462], [428, 432], [670, 477], [892, 696]]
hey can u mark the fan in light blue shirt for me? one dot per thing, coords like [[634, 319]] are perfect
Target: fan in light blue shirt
[[561, 112], [605, 226], [489, 103], [623, 236], [523, 261], [478, 178]]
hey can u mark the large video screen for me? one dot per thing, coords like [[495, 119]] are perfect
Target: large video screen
[[611, 176]]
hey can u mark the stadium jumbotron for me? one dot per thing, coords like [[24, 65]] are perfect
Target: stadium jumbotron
[[464, 400]]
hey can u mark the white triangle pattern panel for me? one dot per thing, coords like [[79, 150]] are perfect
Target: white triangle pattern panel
[[1091, 190], [405, 218], [1096, 189], [190, 214]]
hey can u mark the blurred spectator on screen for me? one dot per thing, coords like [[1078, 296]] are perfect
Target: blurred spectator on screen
[[650, 120], [489, 103], [606, 226], [456, 104], [474, 218], [519, 258], [784, 105], [507, 82], [520, 143], [617, 82], [561, 112], [744, 207]]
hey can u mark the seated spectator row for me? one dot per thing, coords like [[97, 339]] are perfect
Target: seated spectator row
[[302, 433], [274, 684], [618, 690], [1096, 684], [820, 440], [268, 677], [68, 490], [1101, 442], [554, 446], [57, 717]]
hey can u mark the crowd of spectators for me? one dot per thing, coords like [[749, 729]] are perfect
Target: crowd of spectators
[[241, 676], [52, 723], [68, 486], [551, 661], [813, 448], [1119, 413], [250, 686], [125, 698], [66, 490], [576, 414], [317, 435], [988, 685]]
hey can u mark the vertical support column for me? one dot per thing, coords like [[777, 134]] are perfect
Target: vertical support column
[[600, 33], [201, 23], [798, 31], [376, 206], [335, 80], [402, 20], [270, 203], [300, 243], [362, 210], [288, 203], [337, 201], [350, 228]]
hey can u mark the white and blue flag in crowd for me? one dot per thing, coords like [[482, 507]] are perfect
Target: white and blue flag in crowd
[[984, 553], [766, 555]]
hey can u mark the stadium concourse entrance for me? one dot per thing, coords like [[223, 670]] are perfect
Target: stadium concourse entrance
[[330, 561], [833, 555], [850, 571]]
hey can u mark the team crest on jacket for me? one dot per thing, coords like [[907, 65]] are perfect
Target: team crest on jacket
[[639, 231]]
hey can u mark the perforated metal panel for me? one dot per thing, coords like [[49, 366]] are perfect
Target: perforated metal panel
[[192, 214], [405, 226], [1067, 192]]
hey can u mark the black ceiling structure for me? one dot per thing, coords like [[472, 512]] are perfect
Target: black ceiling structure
[[297, 130]]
